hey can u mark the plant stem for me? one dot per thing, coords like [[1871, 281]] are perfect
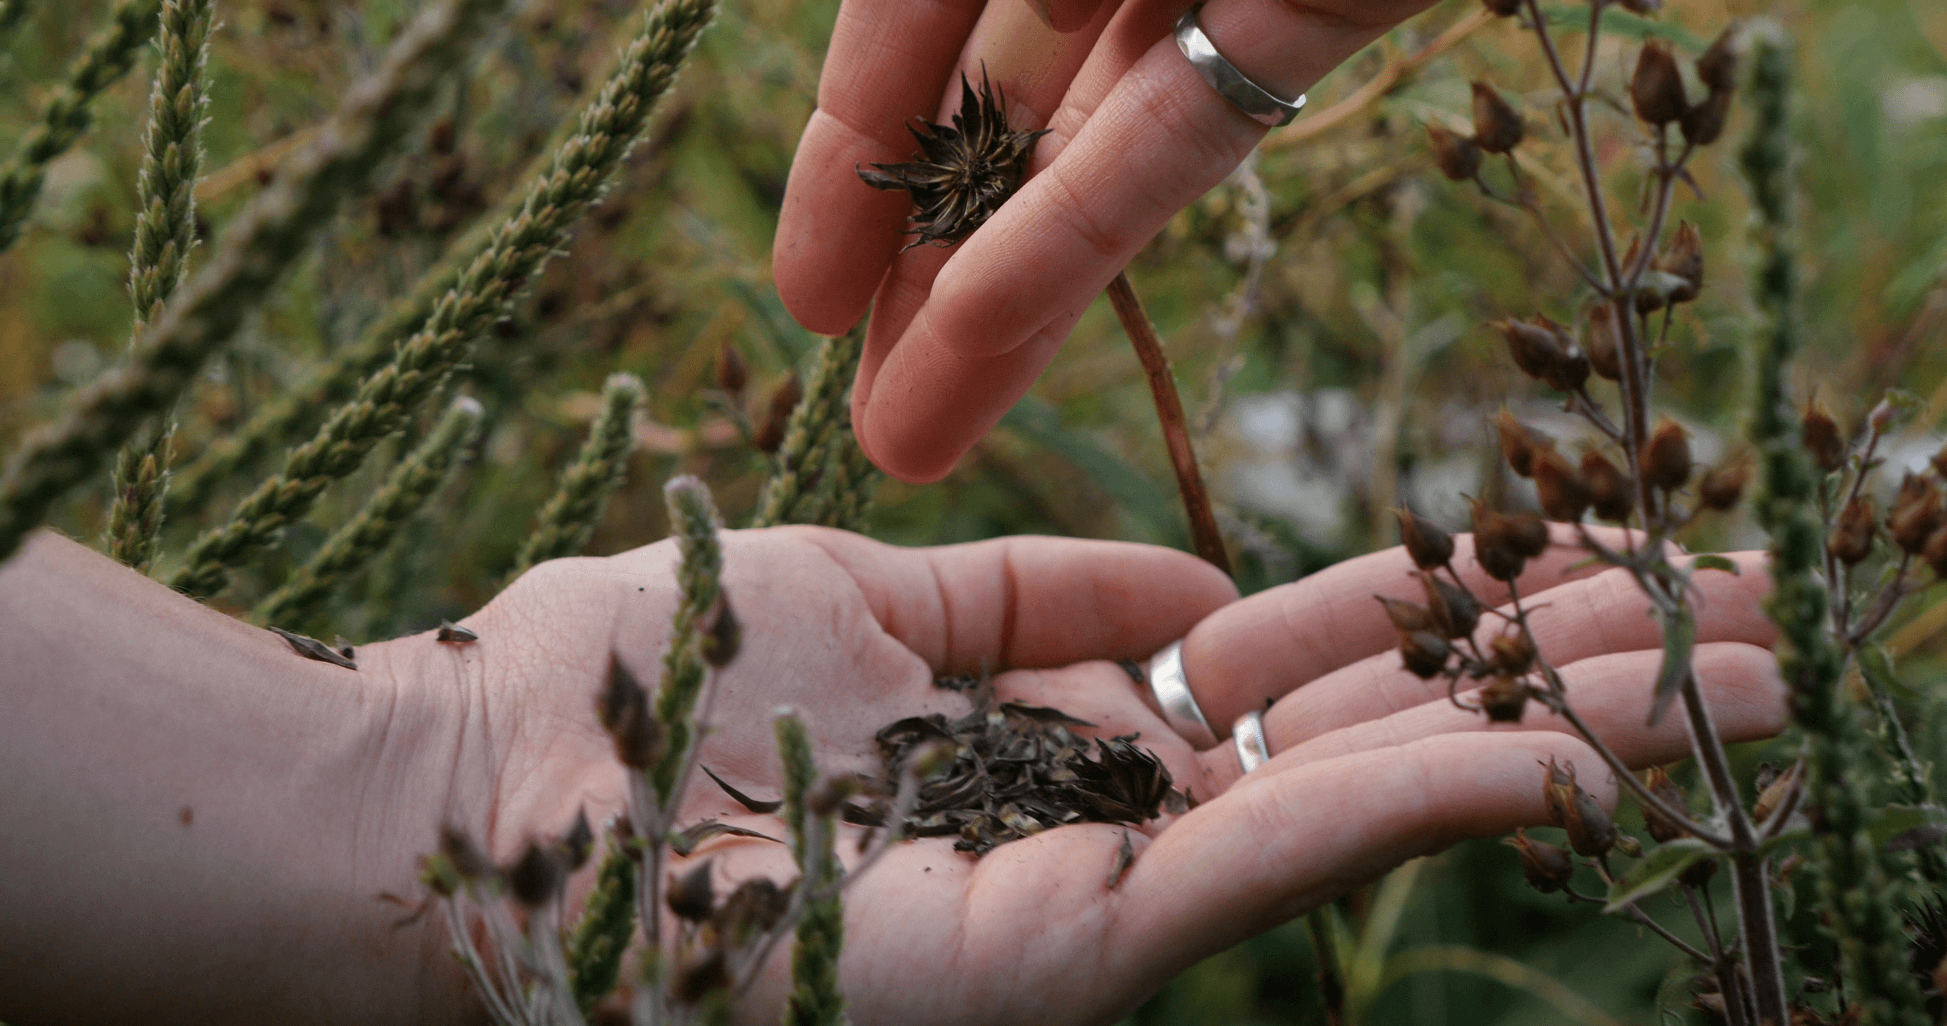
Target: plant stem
[[1209, 541]]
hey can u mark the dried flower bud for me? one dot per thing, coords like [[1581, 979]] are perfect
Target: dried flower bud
[[1604, 342], [770, 434], [1564, 495], [1520, 443], [1513, 651], [579, 842], [1497, 126], [623, 710], [1778, 793], [538, 875], [1717, 68], [1546, 867], [964, 171], [1661, 828], [1504, 699], [1821, 436], [467, 858], [1504, 542], [1541, 348], [1704, 121], [722, 634], [1935, 552], [1455, 611], [1610, 494], [731, 372], [1684, 260], [1424, 654], [1666, 460], [1425, 541], [692, 896], [1407, 617], [1916, 513], [1723, 486], [1852, 536], [1590, 831], [1656, 88], [1455, 154]]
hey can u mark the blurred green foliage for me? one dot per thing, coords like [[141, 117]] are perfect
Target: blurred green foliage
[[1354, 373]]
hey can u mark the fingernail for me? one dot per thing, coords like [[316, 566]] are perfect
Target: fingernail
[[1041, 11]]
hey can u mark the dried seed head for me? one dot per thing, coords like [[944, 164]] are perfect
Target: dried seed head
[[1407, 617], [1704, 121], [1852, 536], [1513, 650], [1610, 494], [466, 857], [731, 372], [1661, 828], [1455, 154], [1520, 443], [723, 635], [1455, 610], [538, 875], [1777, 793], [1666, 460], [1916, 513], [1590, 830], [1546, 867], [963, 172], [1504, 542], [1684, 260], [1424, 654], [1563, 493], [1425, 541], [1723, 486], [1557, 790], [1935, 552], [1604, 343], [1497, 126], [579, 842], [623, 710], [1504, 699], [770, 434], [1656, 88], [1717, 68], [1820, 433], [1543, 351], [692, 896]]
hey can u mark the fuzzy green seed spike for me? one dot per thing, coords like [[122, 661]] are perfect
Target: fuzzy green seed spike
[[602, 934], [570, 515], [353, 547], [822, 476], [699, 580], [815, 999], [255, 251], [110, 54], [165, 232], [571, 177], [1853, 881]]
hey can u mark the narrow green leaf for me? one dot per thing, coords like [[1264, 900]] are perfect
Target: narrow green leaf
[[1679, 640], [1713, 561], [1657, 870]]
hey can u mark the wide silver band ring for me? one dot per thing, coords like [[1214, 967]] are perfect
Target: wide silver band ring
[[1172, 690], [1254, 100], [1248, 733]]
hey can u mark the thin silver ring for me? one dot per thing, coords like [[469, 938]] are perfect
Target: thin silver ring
[[1254, 100], [1171, 687], [1252, 750]]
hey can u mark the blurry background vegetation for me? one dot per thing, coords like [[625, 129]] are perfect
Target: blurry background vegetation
[[1324, 309]]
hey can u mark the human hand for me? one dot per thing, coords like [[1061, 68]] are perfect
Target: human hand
[[1371, 765], [1135, 135]]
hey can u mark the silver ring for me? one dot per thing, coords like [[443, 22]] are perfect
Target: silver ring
[[1247, 96], [1252, 750], [1172, 690]]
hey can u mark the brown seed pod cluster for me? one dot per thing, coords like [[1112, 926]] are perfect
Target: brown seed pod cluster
[[1436, 637], [1657, 93]]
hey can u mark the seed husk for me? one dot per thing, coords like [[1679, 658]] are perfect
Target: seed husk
[[312, 648], [1820, 434], [1656, 89], [1454, 154], [1563, 493], [1546, 867], [1609, 492], [1666, 460], [1852, 536], [1916, 513], [1497, 125], [1426, 542]]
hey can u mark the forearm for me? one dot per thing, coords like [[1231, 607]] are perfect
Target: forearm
[[195, 823]]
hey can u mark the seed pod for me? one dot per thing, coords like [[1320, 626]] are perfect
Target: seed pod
[[579, 842], [692, 896], [1704, 121], [1557, 791], [1424, 654], [1662, 829], [1935, 552], [1684, 260], [1590, 830], [1666, 460], [1778, 793], [1425, 541], [1699, 873], [1497, 126], [1723, 486], [1546, 867], [1604, 342], [1543, 351], [1564, 495], [723, 635], [1501, 7], [467, 858], [731, 372], [770, 434], [1503, 543], [1656, 88], [538, 875], [623, 710], [1820, 434], [1407, 617], [1514, 652], [1916, 513], [1717, 68], [1504, 699], [1852, 536], [1455, 611], [1454, 154], [1520, 443], [1610, 494]]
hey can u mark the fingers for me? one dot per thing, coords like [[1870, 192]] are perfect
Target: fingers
[[1065, 15], [889, 61], [1274, 848], [1025, 602]]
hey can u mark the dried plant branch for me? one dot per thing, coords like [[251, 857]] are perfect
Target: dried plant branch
[[251, 257], [569, 517], [372, 528], [110, 54], [1207, 538]]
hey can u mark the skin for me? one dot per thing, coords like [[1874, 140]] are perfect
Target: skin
[[958, 335], [200, 822]]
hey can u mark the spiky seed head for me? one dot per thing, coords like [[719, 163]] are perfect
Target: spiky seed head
[[963, 172]]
